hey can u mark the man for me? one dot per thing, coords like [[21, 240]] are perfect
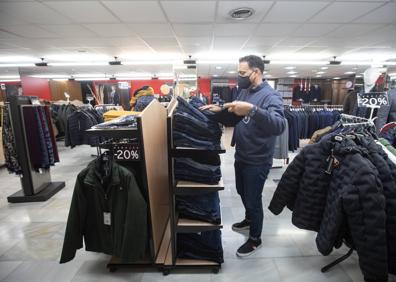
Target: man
[[260, 109]]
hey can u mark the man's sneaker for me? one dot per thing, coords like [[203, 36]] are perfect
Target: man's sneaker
[[240, 226], [250, 247]]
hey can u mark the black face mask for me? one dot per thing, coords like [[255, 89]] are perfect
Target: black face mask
[[244, 82]]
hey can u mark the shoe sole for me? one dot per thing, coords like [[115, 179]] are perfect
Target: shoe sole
[[248, 254], [240, 229]]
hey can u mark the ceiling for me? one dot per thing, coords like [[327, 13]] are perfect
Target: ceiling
[[95, 31]]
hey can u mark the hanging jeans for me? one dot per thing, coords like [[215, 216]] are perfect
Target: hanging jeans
[[250, 181], [205, 207], [205, 245]]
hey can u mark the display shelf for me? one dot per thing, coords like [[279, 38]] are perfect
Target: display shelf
[[185, 225], [190, 262], [114, 133], [189, 187], [191, 152]]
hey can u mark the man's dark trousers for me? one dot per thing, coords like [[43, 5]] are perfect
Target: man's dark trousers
[[250, 181]]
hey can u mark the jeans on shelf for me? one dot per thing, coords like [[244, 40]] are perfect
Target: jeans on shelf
[[205, 207], [205, 245]]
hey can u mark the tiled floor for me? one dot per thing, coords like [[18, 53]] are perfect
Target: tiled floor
[[31, 237]]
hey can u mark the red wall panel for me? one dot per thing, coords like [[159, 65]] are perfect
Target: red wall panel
[[33, 86]]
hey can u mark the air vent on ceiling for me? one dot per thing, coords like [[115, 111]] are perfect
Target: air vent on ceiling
[[113, 78], [334, 62], [241, 13], [191, 67]]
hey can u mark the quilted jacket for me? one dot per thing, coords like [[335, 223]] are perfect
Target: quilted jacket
[[349, 203]]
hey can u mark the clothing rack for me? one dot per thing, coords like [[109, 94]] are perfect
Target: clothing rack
[[186, 188], [36, 186], [149, 142]]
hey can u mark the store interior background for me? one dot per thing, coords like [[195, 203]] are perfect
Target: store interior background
[[151, 39]]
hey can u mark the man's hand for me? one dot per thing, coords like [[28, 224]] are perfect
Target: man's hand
[[212, 108], [239, 108]]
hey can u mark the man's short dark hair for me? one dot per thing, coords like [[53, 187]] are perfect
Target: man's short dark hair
[[253, 62]]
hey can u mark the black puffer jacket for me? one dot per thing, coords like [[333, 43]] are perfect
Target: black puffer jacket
[[355, 200], [303, 187], [349, 203], [387, 173]]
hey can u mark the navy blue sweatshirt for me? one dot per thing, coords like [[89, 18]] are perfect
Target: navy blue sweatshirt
[[255, 137]]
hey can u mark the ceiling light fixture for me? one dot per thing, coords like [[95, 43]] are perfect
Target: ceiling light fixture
[[324, 68], [293, 75], [71, 64], [290, 68], [318, 75], [51, 76], [92, 78], [241, 13], [359, 76], [219, 67], [349, 72], [321, 72], [336, 77], [9, 76], [9, 80], [291, 72], [280, 62], [16, 65], [232, 72]]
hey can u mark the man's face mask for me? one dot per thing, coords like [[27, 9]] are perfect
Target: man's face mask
[[244, 81]]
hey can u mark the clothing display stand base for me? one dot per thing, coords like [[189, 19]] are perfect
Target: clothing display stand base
[[51, 189], [337, 261]]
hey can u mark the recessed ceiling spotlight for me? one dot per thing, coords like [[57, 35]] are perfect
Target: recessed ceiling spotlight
[[219, 67], [231, 72], [241, 13], [293, 75], [336, 77], [215, 75], [320, 72], [359, 75], [318, 75], [291, 72], [349, 72], [324, 68], [290, 68]]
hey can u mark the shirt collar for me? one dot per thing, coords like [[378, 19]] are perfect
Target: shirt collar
[[259, 87]]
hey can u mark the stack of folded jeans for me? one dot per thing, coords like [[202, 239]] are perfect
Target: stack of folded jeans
[[194, 129], [205, 245], [205, 207], [128, 121], [190, 170]]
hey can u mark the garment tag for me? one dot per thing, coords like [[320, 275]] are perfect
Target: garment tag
[[107, 218]]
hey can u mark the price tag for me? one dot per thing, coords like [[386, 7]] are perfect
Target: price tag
[[373, 99], [126, 152], [107, 218]]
